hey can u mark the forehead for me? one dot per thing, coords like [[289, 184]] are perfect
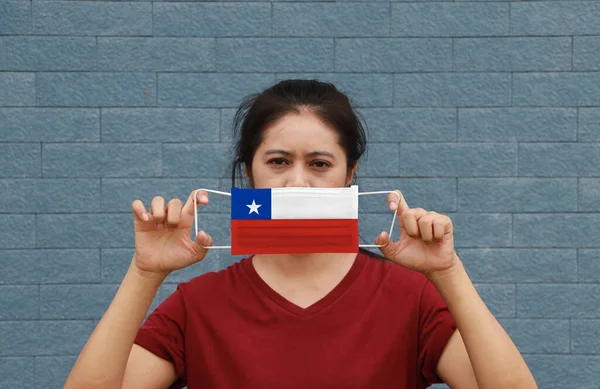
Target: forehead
[[304, 129]]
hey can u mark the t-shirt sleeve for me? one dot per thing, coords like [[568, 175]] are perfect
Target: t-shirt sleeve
[[436, 325], [163, 334]]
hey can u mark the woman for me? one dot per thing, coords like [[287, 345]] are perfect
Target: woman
[[299, 321]]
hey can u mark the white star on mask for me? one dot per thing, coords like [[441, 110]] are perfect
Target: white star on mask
[[253, 207]]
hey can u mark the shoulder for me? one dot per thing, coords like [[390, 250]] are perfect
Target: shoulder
[[397, 279], [214, 283]]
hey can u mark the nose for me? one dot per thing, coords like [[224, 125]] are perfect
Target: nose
[[298, 177]]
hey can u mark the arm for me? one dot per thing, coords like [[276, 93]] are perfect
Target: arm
[[480, 349], [110, 355]]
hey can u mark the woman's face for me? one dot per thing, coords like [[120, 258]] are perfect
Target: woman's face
[[299, 150]]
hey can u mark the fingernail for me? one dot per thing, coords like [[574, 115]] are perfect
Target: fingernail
[[202, 235], [394, 206], [145, 217], [204, 198]]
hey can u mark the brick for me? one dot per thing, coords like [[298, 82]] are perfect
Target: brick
[[160, 125], [585, 53], [101, 160], [512, 54], [410, 124], [457, 160], [84, 230], [29, 338], [119, 194], [589, 194], [15, 16], [52, 372], [517, 194], [521, 265], [363, 90], [49, 266], [17, 231], [393, 55], [17, 372], [212, 19], [18, 89], [555, 18], [96, 89], [589, 265], [556, 89], [115, 263], [20, 160], [429, 193], [538, 336], [196, 160], [564, 371], [499, 298], [558, 230], [381, 160], [274, 55], [452, 90], [585, 336], [517, 124], [156, 54], [49, 125], [226, 127], [92, 18], [450, 19], [481, 230], [559, 159], [48, 195], [19, 302], [38, 53], [589, 125], [75, 301], [558, 301], [331, 19], [218, 90]]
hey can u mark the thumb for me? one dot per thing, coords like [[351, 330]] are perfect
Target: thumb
[[201, 245], [388, 247]]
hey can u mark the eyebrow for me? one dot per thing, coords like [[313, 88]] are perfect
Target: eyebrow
[[311, 154]]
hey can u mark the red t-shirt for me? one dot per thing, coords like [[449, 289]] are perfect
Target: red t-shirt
[[382, 326]]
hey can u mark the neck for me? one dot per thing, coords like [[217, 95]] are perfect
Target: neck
[[301, 266]]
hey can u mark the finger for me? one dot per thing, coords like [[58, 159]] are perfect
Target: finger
[[200, 247], [426, 226], [396, 201], [388, 247], [139, 211], [158, 209], [187, 213], [408, 221], [441, 225], [174, 212]]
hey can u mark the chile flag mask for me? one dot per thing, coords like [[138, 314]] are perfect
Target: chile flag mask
[[294, 220]]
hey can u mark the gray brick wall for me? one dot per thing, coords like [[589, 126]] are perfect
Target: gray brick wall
[[486, 111]]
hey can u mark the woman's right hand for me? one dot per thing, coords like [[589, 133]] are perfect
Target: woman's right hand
[[163, 236]]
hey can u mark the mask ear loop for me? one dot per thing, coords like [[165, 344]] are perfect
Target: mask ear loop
[[196, 215], [393, 218]]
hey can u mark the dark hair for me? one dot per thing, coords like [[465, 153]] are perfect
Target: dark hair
[[322, 99]]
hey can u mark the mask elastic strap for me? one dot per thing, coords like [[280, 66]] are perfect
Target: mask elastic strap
[[229, 194], [196, 215], [393, 218]]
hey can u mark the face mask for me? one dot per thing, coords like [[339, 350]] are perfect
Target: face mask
[[293, 220]]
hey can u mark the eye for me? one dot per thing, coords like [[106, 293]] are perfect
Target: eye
[[277, 161], [321, 164]]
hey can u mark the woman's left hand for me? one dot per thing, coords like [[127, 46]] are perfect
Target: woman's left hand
[[426, 239]]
